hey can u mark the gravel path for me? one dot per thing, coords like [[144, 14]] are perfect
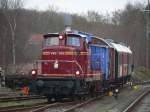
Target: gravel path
[[110, 104]]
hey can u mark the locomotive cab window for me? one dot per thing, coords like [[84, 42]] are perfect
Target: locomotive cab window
[[51, 41], [73, 41]]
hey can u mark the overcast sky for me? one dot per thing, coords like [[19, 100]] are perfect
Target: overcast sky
[[80, 6]]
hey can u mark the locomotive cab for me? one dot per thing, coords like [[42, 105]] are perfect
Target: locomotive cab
[[62, 51]]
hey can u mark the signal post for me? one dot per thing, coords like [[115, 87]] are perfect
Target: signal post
[[2, 78]]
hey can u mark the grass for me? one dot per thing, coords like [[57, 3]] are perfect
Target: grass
[[141, 74]]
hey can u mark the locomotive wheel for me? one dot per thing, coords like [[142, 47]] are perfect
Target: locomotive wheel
[[57, 99], [76, 97], [73, 98]]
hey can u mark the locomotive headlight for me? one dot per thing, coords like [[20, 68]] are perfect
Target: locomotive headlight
[[33, 72], [60, 37], [77, 72]]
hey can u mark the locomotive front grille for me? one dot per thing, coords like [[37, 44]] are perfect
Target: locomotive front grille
[[55, 87]]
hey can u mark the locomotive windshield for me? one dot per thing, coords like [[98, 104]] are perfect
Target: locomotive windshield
[[73, 41], [51, 41]]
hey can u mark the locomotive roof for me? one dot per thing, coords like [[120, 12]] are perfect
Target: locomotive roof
[[118, 47], [121, 48], [78, 33]]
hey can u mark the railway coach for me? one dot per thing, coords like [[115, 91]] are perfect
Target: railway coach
[[75, 64]]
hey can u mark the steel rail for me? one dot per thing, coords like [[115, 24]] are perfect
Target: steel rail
[[71, 109], [18, 98], [136, 101], [21, 108], [51, 105]]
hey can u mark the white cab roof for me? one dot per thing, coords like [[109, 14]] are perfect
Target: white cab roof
[[121, 48]]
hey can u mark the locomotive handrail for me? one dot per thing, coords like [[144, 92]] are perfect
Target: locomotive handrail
[[62, 61]]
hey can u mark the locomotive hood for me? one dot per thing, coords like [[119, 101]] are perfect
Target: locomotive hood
[[61, 60]]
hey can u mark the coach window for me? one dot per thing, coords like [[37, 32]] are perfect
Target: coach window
[[73, 41], [51, 41]]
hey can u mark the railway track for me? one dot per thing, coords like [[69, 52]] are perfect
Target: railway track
[[38, 107], [19, 98], [66, 107], [57, 106], [139, 102], [53, 107], [21, 108], [82, 104], [19, 103]]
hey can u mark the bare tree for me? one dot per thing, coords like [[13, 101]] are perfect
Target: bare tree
[[94, 16], [10, 11]]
